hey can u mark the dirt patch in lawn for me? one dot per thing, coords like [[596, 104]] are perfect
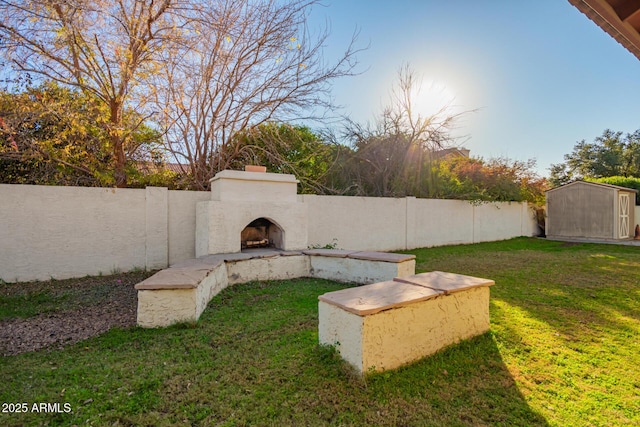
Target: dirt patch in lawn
[[53, 314]]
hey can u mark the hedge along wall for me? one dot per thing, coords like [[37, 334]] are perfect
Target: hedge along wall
[[60, 232]]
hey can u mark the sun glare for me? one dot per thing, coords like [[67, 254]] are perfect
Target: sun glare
[[434, 96]]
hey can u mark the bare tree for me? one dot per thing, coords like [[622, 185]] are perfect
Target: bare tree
[[106, 48], [393, 157], [245, 63]]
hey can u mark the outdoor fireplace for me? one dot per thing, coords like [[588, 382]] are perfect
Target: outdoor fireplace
[[261, 233], [250, 210]]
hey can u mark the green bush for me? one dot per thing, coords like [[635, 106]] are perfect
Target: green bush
[[621, 181]]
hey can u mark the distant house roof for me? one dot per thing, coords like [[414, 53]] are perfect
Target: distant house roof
[[599, 184], [178, 168], [448, 153], [619, 18]]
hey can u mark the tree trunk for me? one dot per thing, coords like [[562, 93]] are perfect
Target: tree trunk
[[120, 173], [117, 142]]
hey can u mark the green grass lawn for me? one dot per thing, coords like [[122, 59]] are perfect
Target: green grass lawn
[[564, 349]]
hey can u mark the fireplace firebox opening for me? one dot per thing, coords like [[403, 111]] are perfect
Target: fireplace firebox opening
[[261, 233]]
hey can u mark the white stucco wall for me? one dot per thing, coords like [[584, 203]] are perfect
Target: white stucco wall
[[156, 232], [241, 186], [387, 224], [63, 232], [358, 270], [342, 329], [433, 222], [499, 221], [358, 223], [182, 223]]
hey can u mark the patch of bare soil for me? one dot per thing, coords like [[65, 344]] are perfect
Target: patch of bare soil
[[90, 307]]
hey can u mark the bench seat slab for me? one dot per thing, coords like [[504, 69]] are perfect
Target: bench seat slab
[[444, 282]]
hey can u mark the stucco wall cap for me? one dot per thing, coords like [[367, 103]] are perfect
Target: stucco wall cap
[[254, 176], [238, 256]]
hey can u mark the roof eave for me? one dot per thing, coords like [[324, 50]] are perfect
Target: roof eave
[[603, 15]]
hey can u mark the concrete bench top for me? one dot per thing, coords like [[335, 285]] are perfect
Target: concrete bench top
[[174, 278], [335, 253], [212, 261], [362, 255], [202, 263], [189, 273], [445, 282], [399, 292], [256, 253], [371, 299], [382, 256]]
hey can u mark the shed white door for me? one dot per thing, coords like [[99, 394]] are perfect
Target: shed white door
[[623, 220]]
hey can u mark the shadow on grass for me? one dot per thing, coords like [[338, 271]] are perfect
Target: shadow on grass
[[466, 384]]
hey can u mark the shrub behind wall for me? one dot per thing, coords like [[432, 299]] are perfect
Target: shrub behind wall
[[621, 181]]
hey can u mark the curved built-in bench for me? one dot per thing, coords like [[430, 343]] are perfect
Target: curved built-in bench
[[182, 292], [359, 266], [388, 324]]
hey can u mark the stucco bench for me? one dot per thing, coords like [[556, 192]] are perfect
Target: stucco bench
[[359, 266], [181, 293], [388, 324], [282, 266]]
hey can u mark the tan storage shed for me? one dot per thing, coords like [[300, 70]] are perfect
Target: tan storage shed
[[590, 210]]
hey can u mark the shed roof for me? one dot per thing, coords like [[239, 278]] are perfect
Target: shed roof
[[595, 184]]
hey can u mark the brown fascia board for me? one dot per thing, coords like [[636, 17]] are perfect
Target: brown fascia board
[[600, 12]]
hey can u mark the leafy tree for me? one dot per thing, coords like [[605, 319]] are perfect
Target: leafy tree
[[621, 181], [51, 135], [285, 148], [54, 135], [611, 154], [105, 48], [207, 69], [498, 179]]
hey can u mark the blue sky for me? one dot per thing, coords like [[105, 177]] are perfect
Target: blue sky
[[541, 75]]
